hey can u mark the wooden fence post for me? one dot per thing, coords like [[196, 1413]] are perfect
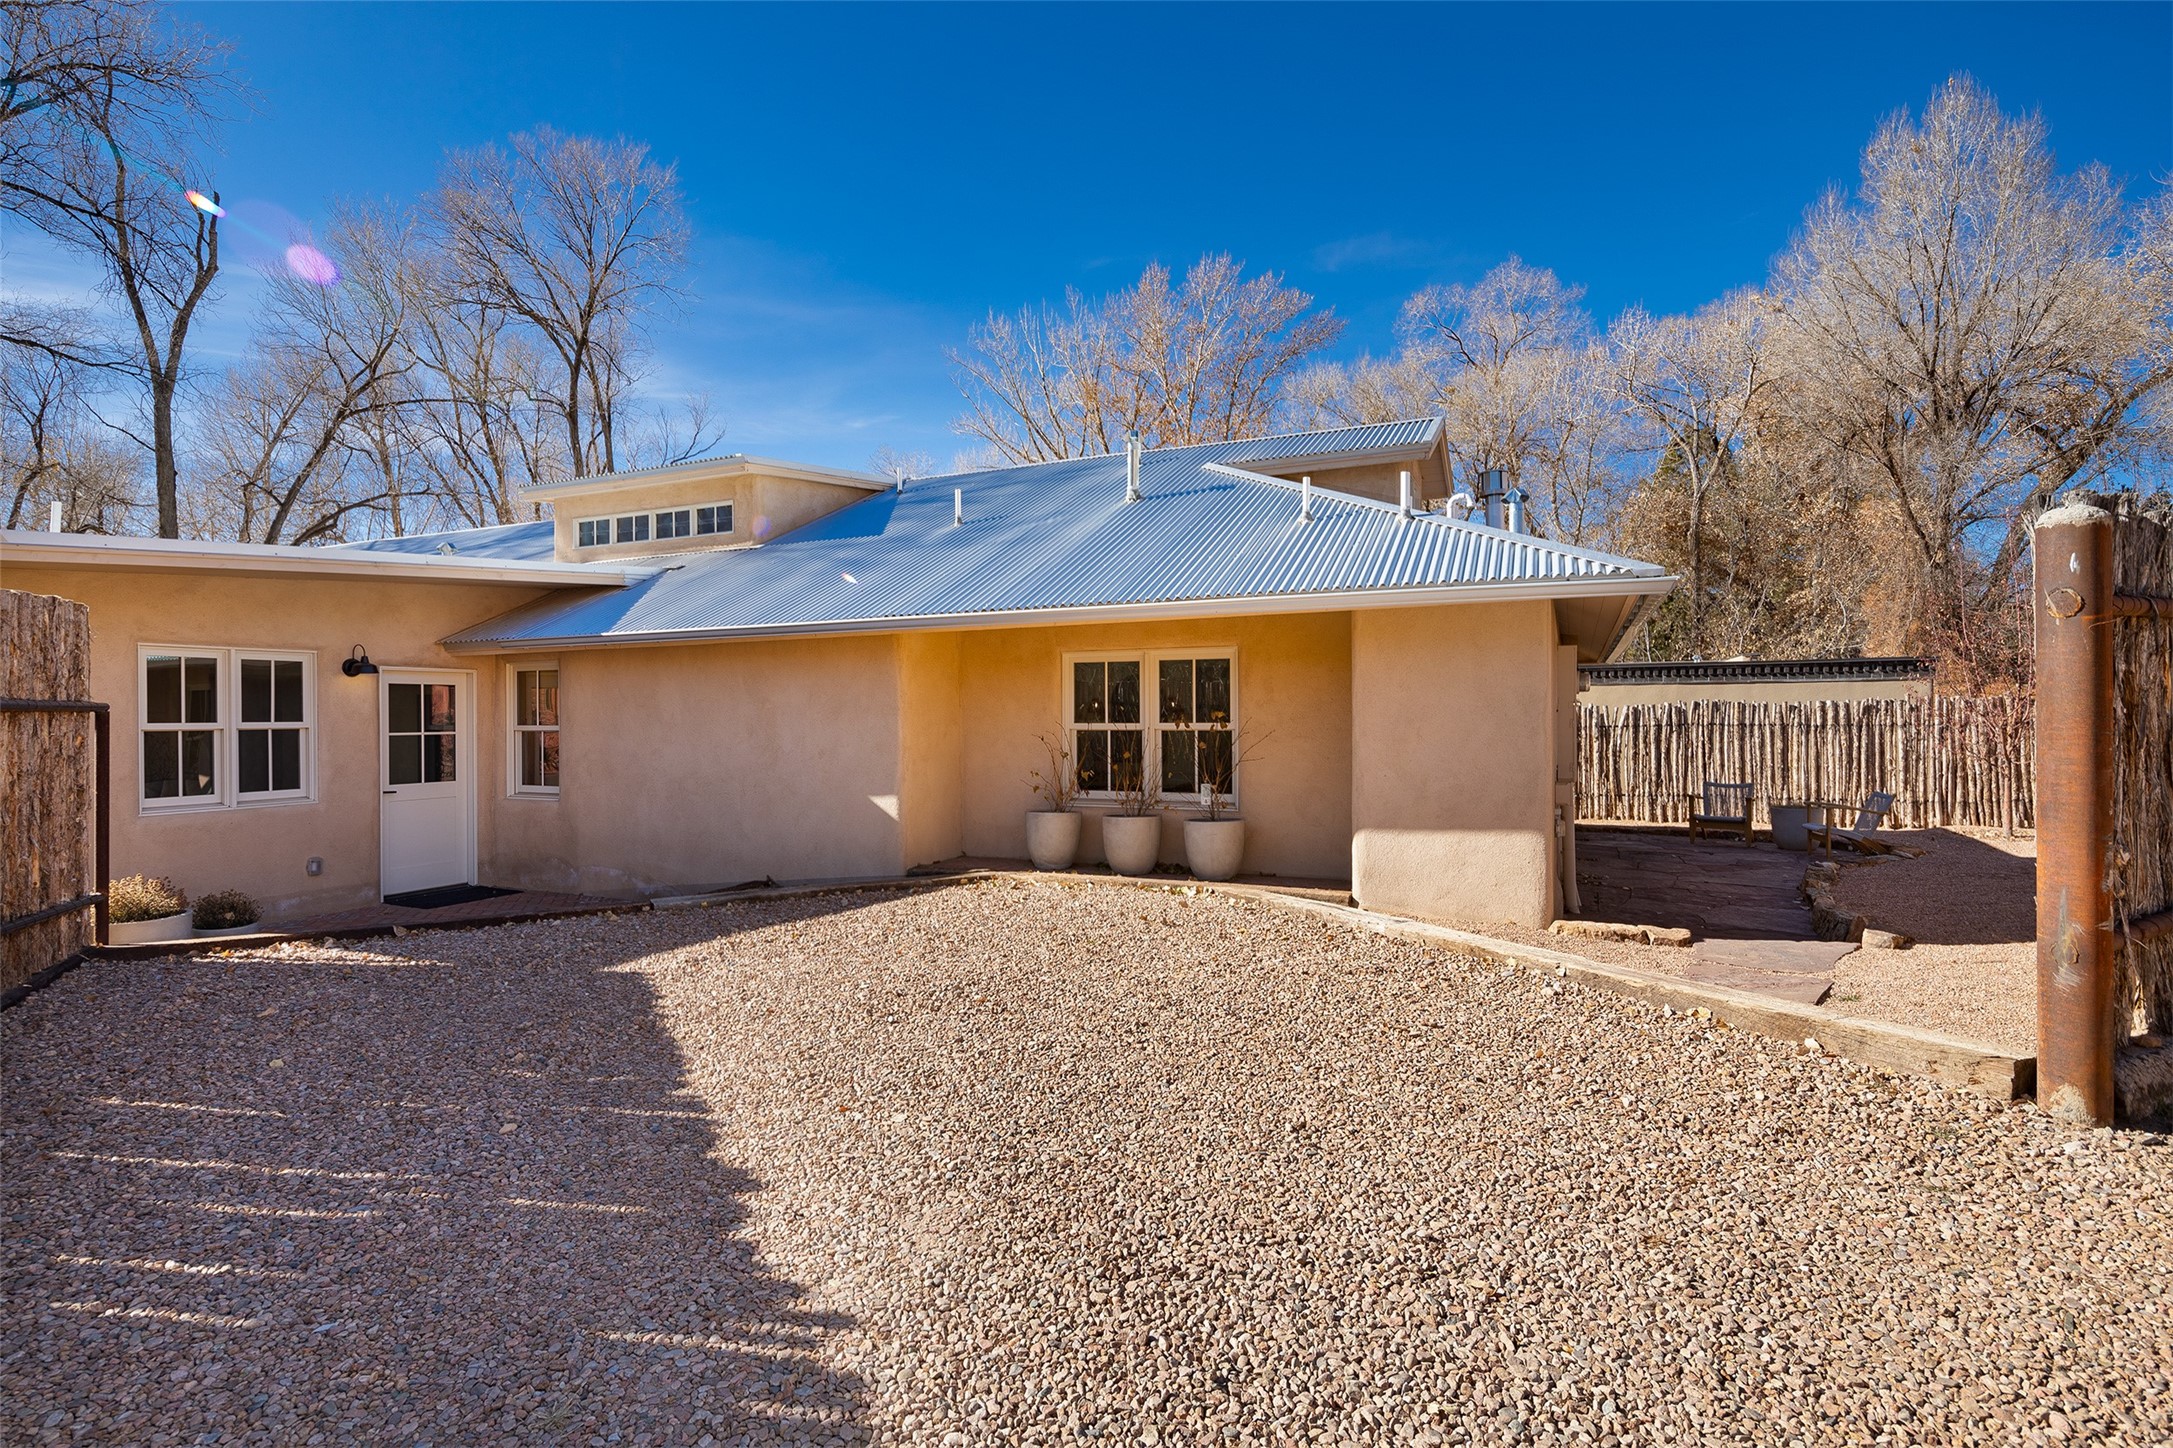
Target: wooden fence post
[[2077, 953]]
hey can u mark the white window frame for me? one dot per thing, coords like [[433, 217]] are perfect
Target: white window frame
[[1150, 713], [226, 747], [610, 525], [515, 789]]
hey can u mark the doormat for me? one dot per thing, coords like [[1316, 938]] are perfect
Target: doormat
[[444, 895]]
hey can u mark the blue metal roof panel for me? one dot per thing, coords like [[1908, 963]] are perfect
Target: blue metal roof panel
[[526, 542], [1056, 536]]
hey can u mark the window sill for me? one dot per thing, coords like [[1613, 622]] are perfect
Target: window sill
[[532, 792]]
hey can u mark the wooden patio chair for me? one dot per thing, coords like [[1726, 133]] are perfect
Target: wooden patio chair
[[1721, 810], [1872, 814]]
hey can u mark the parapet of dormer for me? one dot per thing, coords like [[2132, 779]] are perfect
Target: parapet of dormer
[[727, 502]]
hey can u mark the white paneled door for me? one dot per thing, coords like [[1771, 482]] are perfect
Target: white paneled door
[[426, 779]]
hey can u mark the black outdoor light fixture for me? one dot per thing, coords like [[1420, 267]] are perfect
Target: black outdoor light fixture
[[357, 663]]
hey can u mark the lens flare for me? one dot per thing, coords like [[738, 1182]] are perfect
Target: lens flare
[[312, 265], [204, 203]]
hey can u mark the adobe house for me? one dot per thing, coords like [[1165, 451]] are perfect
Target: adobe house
[[741, 668]]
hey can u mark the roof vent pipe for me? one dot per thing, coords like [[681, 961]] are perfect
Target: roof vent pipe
[[1403, 493], [1305, 498], [958, 506], [1490, 491], [52, 518], [1131, 468], [1512, 510], [1459, 506]]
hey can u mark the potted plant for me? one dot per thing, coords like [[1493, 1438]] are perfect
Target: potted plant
[[229, 912], [1052, 834], [1215, 842], [1132, 837], [141, 908]]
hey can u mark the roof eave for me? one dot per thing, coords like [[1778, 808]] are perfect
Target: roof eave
[[167, 555], [1628, 587]]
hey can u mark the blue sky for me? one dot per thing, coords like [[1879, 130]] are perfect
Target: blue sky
[[865, 183]]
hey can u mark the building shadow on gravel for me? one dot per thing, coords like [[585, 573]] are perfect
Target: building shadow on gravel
[[1963, 891], [458, 1200]]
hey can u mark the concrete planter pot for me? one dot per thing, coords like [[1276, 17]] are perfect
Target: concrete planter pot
[[1132, 843], [1214, 848], [1052, 838], [142, 932], [252, 928]]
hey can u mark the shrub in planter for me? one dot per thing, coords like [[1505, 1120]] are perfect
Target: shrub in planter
[[146, 907], [1215, 843], [229, 912], [1132, 837], [1052, 834]]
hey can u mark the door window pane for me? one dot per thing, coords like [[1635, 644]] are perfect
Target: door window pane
[[437, 758], [404, 759], [438, 706], [162, 689], [162, 758], [404, 708]]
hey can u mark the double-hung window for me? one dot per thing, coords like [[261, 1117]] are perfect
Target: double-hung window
[[533, 757], [1167, 718], [224, 727]]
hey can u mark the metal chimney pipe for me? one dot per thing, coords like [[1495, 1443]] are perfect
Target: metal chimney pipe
[[958, 506], [1305, 498], [1512, 505], [1131, 468], [1403, 493], [1490, 491]]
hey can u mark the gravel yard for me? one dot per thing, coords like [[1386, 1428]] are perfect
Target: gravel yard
[[1970, 903], [1025, 1162]]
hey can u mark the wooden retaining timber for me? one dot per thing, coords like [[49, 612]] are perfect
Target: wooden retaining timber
[[52, 876], [1947, 761]]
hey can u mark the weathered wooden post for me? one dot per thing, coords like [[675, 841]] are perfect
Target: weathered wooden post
[[2077, 952]]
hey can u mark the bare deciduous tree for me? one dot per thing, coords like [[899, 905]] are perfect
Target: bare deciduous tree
[[575, 237], [1695, 383], [105, 104], [1930, 321], [1179, 364], [53, 448]]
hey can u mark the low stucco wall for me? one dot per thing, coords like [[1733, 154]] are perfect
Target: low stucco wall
[[1294, 697], [1456, 823], [262, 849]]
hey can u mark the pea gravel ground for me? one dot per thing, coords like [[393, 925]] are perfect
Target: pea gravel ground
[[1025, 1163]]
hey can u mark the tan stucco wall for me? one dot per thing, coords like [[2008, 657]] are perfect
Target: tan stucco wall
[[1294, 696], [691, 767], [1458, 823], [1382, 481], [931, 761], [762, 508], [261, 849]]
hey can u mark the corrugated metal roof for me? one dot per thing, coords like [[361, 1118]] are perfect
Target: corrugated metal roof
[[1059, 536], [528, 542]]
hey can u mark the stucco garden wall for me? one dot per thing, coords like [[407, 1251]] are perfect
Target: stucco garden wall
[[1294, 698], [1453, 751], [262, 849]]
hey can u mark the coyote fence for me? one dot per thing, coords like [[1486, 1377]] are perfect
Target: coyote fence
[[1952, 761], [51, 874]]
